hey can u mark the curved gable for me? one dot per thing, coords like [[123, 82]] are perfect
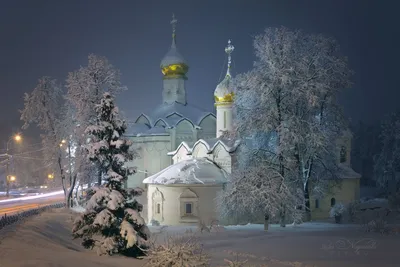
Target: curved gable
[[207, 118], [184, 121], [161, 122], [174, 115], [200, 149], [220, 151], [143, 119]]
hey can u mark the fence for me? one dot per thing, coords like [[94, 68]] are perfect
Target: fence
[[10, 219]]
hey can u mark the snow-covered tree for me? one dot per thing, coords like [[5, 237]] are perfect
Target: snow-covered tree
[[42, 107], [291, 92], [112, 221], [85, 89], [387, 162]]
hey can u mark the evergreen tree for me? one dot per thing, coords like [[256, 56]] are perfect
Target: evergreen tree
[[112, 222]]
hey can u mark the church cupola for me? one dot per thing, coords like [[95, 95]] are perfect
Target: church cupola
[[174, 68], [224, 97]]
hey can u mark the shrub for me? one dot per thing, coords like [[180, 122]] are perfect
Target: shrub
[[180, 251]]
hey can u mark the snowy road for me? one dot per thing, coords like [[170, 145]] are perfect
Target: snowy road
[[20, 205]]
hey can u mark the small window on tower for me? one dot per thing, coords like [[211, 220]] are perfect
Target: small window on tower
[[343, 154], [317, 203], [224, 119]]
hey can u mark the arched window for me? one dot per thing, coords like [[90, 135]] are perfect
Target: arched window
[[343, 154], [188, 206], [317, 203], [333, 202], [157, 205]]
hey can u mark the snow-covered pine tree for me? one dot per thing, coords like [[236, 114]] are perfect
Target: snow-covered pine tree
[[112, 222]]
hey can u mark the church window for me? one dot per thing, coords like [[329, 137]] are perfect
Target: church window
[[188, 208], [224, 119], [333, 202], [157, 205], [317, 203], [189, 205], [343, 154], [158, 209]]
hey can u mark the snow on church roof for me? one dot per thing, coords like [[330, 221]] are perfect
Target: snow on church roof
[[346, 172], [210, 144], [191, 171]]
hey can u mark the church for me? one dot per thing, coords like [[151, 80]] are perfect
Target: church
[[183, 161]]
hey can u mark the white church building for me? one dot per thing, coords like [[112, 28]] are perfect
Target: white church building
[[183, 163], [183, 160]]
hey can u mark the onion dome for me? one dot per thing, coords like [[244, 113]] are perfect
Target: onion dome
[[173, 65], [224, 94]]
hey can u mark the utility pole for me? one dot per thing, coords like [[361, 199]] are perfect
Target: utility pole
[[10, 178]]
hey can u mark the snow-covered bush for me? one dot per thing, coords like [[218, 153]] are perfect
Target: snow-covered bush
[[337, 210], [378, 226], [353, 210], [179, 251], [112, 221]]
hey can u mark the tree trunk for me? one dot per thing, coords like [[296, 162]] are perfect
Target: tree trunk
[[71, 191], [99, 176], [282, 216]]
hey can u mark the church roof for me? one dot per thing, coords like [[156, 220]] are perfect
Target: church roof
[[346, 172], [210, 144], [170, 115], [172, 57], [191, 171], [173, 113]]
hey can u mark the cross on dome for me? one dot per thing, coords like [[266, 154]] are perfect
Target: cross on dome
[[229, 49]]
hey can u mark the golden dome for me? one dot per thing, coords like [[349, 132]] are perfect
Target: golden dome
[[223, 94], [177, 70], [174, 65]]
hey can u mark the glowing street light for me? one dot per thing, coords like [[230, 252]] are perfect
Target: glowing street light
[[50, 176], [17, 137], [12, 178]]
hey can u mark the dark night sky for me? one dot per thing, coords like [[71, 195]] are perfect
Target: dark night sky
[[54, 37]]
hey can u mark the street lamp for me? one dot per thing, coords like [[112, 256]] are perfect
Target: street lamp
[[50, 176], [9, 180], [16, 138]]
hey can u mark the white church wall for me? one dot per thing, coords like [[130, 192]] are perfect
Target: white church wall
[[222, 157], [181, 154], [184, 131], [175, 197], [153, 158]]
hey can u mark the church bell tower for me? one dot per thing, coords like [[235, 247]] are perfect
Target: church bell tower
[[174, 69], [224, 95]]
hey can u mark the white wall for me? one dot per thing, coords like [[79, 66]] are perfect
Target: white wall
[[153, 157], [171, 214], [224, 118]]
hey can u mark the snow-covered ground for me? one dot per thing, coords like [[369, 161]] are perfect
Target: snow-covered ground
[[46, 241]]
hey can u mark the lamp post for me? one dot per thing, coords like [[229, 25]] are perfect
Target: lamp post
[[10, 178]]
